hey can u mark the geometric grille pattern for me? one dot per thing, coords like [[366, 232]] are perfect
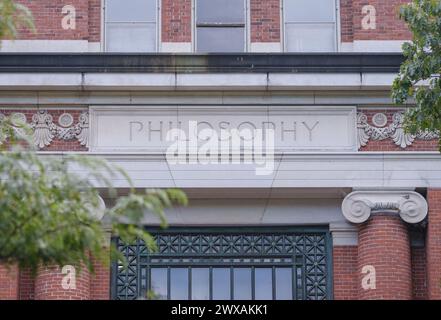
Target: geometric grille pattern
[[305, 252]]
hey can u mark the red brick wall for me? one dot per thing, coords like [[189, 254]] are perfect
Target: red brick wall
[[48, 16], [95, 20], [346, 17], [265, 20], [345, 272], [100, 282], [26, 285], [177, 17], [433, 244], [388, 24], [8, 282], [176, 20], [419, 273], [384, 243]]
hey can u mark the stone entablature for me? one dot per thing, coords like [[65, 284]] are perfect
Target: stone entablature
[[376, 130]]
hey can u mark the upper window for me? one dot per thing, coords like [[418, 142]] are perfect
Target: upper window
[[310, 25], [220, 25], [131, 26]]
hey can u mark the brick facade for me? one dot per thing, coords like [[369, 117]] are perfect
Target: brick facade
[[388, 24], [419, 273], [48, 16], [9, 286], [402, 272], [433, 245], [346, 21], [27, 285], [265, 20], [176, 20], [345, 272], [100, 282]]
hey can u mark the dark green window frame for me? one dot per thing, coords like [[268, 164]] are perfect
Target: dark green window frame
[[307, 251]]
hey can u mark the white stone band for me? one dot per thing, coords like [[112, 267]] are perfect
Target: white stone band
[[358, 205]]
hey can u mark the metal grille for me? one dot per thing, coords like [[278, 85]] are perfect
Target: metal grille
[[245, 256]]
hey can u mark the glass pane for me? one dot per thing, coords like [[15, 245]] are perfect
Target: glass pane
[[179, 283], [220, 39], [242, 284], [159, 283], [283, 284], [220, 11], [310, 37], [309, 10], [131, 11], [127, 37], [221, 284], [263, 283], [200, 284], [299, 284]]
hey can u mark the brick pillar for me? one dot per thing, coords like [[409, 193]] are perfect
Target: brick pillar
[[384, 244], [433, 245], [8, 282], [384, 254], [49, 284]]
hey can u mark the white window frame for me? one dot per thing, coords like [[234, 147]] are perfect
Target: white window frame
[[104, 27], [283, 28], [247, 24]]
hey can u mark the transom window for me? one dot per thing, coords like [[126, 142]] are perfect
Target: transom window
[[310, 25], [227, 264], [220, 25], [131, 26]]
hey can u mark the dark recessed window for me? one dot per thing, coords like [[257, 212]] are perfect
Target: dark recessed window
[[220, 25]]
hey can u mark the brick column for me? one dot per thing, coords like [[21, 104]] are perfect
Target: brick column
[[384, 254], [383, 242], [433, 245], [49, 285], [8, 282]]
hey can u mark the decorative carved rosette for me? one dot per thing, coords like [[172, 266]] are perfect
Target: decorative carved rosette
[[395, 131], [358, 206], [45, 130]]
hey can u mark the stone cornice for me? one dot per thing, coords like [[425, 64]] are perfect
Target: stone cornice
[[204, 63]]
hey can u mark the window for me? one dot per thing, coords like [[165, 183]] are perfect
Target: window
[[131, 26], [227, 264], [220, 25], [310, 25]]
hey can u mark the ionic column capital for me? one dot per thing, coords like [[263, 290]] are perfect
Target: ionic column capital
[[358, 206]]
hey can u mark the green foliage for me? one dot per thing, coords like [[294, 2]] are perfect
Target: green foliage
[[46, 214], [14, 16], [419, 78]]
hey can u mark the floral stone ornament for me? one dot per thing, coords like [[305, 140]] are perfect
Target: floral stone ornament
[[45, 130], [395, 130]]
